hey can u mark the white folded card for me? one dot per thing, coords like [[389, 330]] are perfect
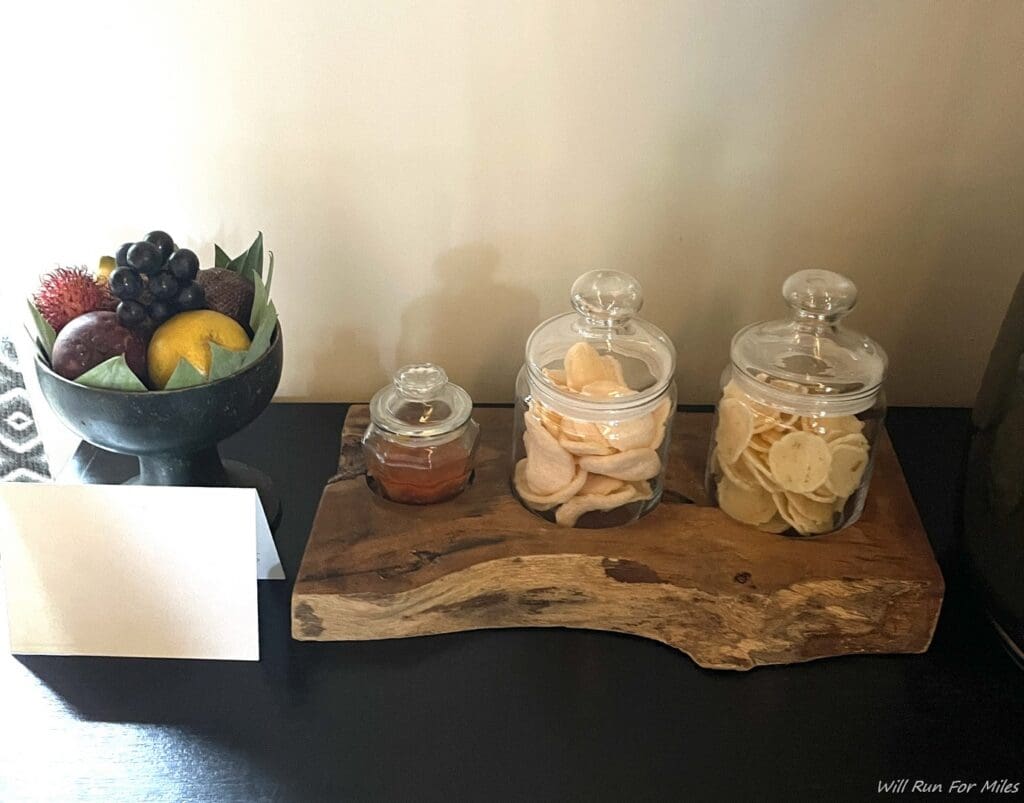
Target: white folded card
[[134, 570]]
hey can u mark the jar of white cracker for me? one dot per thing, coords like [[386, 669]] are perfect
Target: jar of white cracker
[[594, 406], [802, 404]]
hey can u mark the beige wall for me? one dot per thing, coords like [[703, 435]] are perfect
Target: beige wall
[[433, 175]]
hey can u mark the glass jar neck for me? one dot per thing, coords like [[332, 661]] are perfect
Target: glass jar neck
[[416, 441], [805, 404], [581, 409]]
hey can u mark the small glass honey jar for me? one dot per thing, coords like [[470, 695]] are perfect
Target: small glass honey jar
[[421, 444]]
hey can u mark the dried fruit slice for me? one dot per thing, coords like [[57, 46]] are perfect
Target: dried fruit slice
[[847, 471], [600, 485], [551, 420], [741, 474], [801, 523], [556, 375], [842, 425], [799, 461], [584, 365], [735, 428], [822, 494], [549, 467], [546, 501], [762, 441], [581, 431], [606, 389], [814, 513], [569, 513], [660, 416], [643, 489], [614, 369], [785, 512], [632, 433], [732, 391], [748, 505], [758, 465], [577, 447], [855, 439], [631, 466], [776, 525]]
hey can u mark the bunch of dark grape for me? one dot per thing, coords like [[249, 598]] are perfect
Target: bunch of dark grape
[[153, 280]]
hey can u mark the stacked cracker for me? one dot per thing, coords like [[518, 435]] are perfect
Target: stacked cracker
[[778, 470], [576, 467]]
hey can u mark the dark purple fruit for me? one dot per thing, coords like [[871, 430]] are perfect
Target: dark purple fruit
[[122, 254], [191, 297], [131, 314], [183, 265], [145, 257], [160, 311], [94, 338], [125, 283], [162, 240], [163, 286]]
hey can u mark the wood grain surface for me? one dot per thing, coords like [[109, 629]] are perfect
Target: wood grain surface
[[686, 575]]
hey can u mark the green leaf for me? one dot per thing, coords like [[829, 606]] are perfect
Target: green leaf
[[249, 263], [270, 271], [224, 362], [260, 298], [113, 374], [220, 257], [261, 340], [185, 376], [38, 344], [46, 333], [254, 256]]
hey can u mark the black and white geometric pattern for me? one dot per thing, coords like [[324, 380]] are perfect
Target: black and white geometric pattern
[[22, 458]]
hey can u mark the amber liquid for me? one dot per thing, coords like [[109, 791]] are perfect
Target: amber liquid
[[419, 475]]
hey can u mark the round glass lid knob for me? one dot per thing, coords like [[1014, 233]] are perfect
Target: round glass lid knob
[[607, 297], [421, 382], [820, 293]]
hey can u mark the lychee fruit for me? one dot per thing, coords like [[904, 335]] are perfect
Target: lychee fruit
[[66, 293]]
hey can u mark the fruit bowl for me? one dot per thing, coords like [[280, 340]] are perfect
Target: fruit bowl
[[174, 433]]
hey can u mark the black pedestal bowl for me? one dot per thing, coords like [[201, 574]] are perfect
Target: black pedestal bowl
[[174, 433]]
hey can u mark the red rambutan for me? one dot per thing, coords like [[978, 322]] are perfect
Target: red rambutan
[[66, 293]]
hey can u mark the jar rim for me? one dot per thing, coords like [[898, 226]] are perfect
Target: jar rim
[[808, 404], [579, 408]]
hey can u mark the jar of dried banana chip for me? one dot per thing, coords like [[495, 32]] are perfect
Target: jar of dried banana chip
[[802, 404], [594, 408]]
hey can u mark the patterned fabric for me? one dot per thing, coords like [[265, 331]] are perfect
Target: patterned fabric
[[21, 449]]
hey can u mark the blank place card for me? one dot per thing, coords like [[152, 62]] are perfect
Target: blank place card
[[133, 570]]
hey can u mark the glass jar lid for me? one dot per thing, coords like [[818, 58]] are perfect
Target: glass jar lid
[[640, 358], [420, 402], [809, 363]]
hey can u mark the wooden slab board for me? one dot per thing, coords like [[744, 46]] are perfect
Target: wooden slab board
[[686, 574]]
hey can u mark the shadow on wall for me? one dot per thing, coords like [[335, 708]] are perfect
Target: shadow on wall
[[480, 323], [353, 351]]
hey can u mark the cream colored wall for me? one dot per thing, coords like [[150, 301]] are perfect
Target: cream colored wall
[[433, 175]]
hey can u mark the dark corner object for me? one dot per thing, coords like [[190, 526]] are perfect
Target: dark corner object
[[994, 503], [174, 434]]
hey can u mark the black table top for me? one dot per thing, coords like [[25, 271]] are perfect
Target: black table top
[[516, 714]]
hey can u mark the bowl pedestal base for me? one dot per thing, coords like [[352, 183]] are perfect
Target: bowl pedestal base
[[205, 469]]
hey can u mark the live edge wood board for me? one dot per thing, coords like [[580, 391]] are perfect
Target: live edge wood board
[[686, 575]]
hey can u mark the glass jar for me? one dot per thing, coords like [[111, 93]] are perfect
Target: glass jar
[[594, 404], [793, 442], [421, 442]]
